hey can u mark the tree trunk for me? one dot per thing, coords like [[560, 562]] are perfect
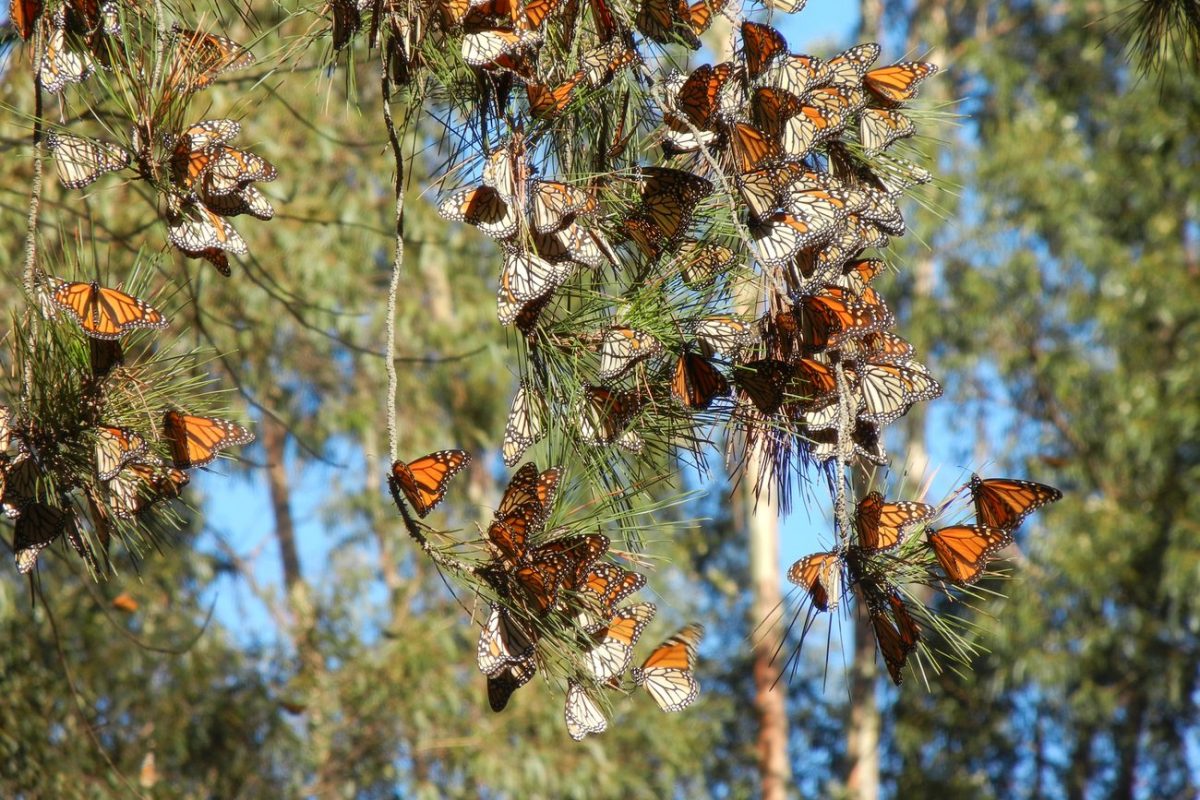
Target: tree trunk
[[863, 727], [274, 443], [770, 701]]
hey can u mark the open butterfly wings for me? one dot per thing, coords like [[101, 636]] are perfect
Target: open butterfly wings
[[613, 651], [880, 525], [103, 313], [424, 481], [195, 441], [1006, 502], [964, 550], [667, 673]]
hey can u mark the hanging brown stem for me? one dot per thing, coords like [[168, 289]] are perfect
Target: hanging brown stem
[[397, 262]]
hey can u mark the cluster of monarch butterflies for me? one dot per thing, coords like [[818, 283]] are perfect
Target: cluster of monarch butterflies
[[129, 476], [779, 128], [203, 178], [552, 580], [962, 553]]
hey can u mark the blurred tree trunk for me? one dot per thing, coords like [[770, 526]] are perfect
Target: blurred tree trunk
[[762, 526]]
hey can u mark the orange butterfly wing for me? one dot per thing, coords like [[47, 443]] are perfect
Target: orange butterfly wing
[[964, 550], [195, 441], [424, 481], [1005, 502]]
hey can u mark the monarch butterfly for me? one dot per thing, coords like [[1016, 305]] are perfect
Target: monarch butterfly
[[697, 98], [621, 348], [143, 483], [726, 336], [898, 83], [846, 69], [215, 257], [247, 200], [796, 74], [530, 486], [667, 673], [547, 102], [1006, 502], [581, 713], [669, 197], [763, 382], [424, 481], [191, 150], [895, 639], [878, 128], [865, 442], [818, 207], [21, 479], [600, 64], [601, 590], [603, 416], [786, 6], [761, 44], [506, 680], [964, 550], [101, 312], [505, 170], [761, 189], [38, 526], [60, 65], [857, 275], [613, 651], [524, 426], [82, 161], [195, 441], [780, 236], [482, 207], [661, 20], [889, 390], [487, 48], [826, 321], [508, 533], [697, 382], [679, 138], [819, 574], [554, 204], [196, 230], [812, 381], [503, 641], [578, 553], [527, 276], [882, 212], [200, 57], [664, 181], [750, 147], [24, 15], [880, 526], [116, 447], [881, 347], [228, 169], [702, 264], [538, 582]]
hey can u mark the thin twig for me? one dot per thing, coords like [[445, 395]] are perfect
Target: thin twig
[[35, 206]]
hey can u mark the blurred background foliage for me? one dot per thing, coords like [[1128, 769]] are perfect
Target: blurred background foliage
[[1059, 297]]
